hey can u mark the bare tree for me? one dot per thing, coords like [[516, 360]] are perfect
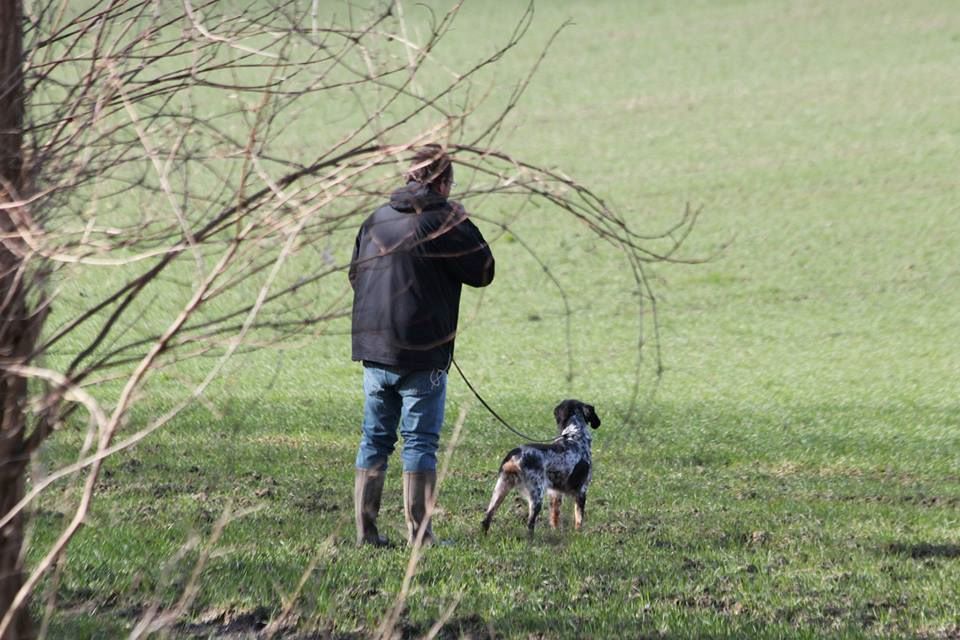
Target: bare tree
[[19, 322], [194, 167]]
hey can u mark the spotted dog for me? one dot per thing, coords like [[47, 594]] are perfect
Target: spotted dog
[[562, 467]]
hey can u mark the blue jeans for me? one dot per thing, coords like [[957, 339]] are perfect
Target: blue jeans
[[414, 399]]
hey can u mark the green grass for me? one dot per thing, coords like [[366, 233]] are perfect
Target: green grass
[[795, 473]]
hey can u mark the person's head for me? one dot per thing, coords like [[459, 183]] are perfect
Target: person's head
[[432, 167]]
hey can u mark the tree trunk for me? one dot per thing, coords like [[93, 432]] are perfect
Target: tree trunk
[[18, 327]]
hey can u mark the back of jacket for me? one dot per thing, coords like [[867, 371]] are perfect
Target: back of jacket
[[410, 261]]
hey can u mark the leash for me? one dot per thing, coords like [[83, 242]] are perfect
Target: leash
[[494, 413]]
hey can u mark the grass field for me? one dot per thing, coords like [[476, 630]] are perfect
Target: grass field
[[796, 472]]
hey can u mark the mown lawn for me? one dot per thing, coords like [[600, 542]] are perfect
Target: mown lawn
[[794, 473]]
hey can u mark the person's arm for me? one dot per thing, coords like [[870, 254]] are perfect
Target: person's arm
[[468, 255], [352, 273]]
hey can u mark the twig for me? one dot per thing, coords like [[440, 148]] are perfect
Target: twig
[[390, 620]]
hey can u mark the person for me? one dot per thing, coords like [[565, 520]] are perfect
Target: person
[[410, 260]]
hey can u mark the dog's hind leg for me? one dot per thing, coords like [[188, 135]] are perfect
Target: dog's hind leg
[[505, 482], [535, 500], [556, 500]]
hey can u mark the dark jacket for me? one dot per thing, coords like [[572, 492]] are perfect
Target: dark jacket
[[410, 260]]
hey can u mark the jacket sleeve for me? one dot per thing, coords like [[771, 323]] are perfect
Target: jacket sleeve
[[352, 273], [468, 256]]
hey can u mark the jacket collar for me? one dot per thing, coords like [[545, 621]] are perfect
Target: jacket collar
[[416, 197]]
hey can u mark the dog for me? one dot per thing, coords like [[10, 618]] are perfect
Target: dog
[[561, 467]]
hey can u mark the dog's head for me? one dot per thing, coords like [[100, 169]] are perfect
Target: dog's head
[[568, 409]]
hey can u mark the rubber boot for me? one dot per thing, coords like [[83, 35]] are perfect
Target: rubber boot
[[418, 492], [367, 489]]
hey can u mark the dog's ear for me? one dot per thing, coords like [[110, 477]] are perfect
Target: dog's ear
[[591, 415], [561, 413]]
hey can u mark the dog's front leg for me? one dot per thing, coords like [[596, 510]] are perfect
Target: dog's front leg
[[578, 511]]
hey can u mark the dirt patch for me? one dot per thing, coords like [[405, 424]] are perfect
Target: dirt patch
[[472, 626], [227, 625], [923, 550], [316, 502], [920, 499], [951, 632], [724, 604]]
